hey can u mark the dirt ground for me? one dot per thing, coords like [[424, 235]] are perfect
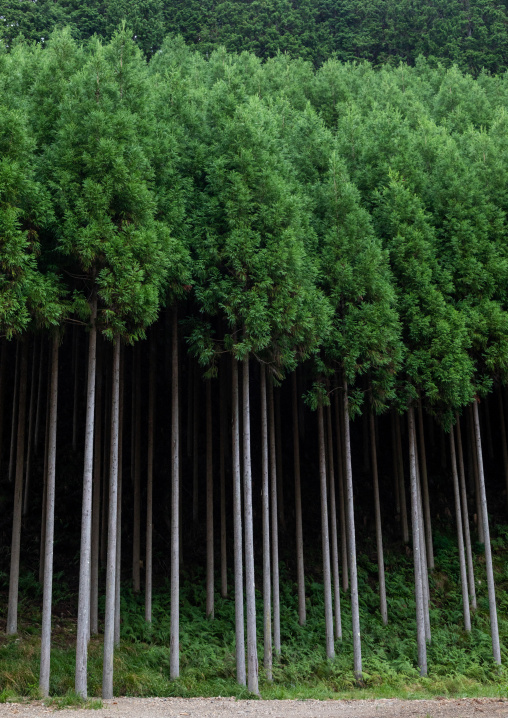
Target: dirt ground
[[231, 708]]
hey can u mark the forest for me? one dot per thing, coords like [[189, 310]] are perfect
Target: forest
[[253, 369]]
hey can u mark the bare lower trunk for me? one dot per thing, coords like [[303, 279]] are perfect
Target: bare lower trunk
[[209, 505], [477, 491], [265, 500], [119, 509], [96, 497], [274, 513], [351, 541], [109, 622], [465, 518], [423, 555], [136, 534], [342, 506], [50, 524], [252, 655], [174, 666], [35, 361], [425, 489], [333, 529], [44, 484], [402, 483], [379, 533], [12, 611], [420, 624], [149, 482], [327, 582], [280, 474], [86, 518], [300, 570], [222, 472], [486, 532], [460, 536], [237, 529], [395, 465]]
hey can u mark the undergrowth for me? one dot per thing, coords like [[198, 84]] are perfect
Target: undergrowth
[[459, 664]]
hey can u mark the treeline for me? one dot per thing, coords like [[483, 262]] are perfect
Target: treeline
[[341, 232], [473, 35]]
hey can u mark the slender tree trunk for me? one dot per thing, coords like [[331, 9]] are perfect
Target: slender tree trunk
[[50, 524], [425, 489], [465, 517], [342, 506], [86, 517], [488, 554], [136, 534], [479, 514], [222, 472], [175, 492], [274, 513], [379, 533], [395, 463], [423, 553], [109, 623], [265, 494], [14, 415], [460, 537], [209, 505], [327, 582], [38, 410], [26, 499], [300, 569], [504, 446], [280, 474], [237, 529], [75, 372], [420, 623], [106, 451], [44, 485], [119, 509], [96, 496], [355, 608], [333, 527], [252, 655], [402, 483], [149, 482], [12, 611]]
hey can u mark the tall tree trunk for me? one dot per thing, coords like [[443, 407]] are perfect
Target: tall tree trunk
[[149, 482], [327, 582], [109, 623], [425, 489], [379, 533], [420, 623], [14, 414], [395, 465], [252, 654], [333, 527], [351, 541], [237, 529], [31, 412], [210, 587], [136, 534], [96, 495], [280, 474], [50, 525], [119, 509], [423, 553], [486, 532], [12, 611], [106, 452], [460, 536], [265, 499], [275, 480], [465, 517], [342, 504], [300, 569], [42, 542], [86, 516], [174, 666], [477, 492], [222, 472], [402, 483], [195, 451]]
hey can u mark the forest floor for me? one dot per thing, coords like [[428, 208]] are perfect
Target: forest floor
[[232, 708]]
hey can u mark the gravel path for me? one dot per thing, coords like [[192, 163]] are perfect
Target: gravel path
[[231, 708]]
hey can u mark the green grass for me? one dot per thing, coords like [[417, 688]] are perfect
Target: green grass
[[459, 664]]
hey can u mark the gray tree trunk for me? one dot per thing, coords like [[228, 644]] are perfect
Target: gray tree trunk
[[136, 534], [395, 464], [237, 529], [342, 503], [96, 496], [325, 540], [460, 536], [486, 532], [274, 513], [280, 475], [379, 533], [265, 500], [119, 509], [476, 478], [465, 517], [222, 473], [109, 623], [42, 542], [50, 525], [210, 587], [252, 654], [402, 483], [425, 489], [174, 660], [86, 516], [333, 529], [149, 482], [300, 569], [415, 522]]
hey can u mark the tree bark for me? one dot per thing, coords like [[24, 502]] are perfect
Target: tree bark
[[265, 499], [460, 536], [420, 624], [237, 529], [342, 507], [477, 491], [395, 463], [425, 489], [119, 509], [209, 505], [379, 533], [136, 534], [109, 623], [351, 540], [50, 525], [96, 496], [465, 517], [300, 569], [86, 516], [174, 666], [252, 655], [486, 532], [42, 542], [327, 583], [274, 514], [333, 527], [280, 475], [222, 472], [402, 483], [149, 482]]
